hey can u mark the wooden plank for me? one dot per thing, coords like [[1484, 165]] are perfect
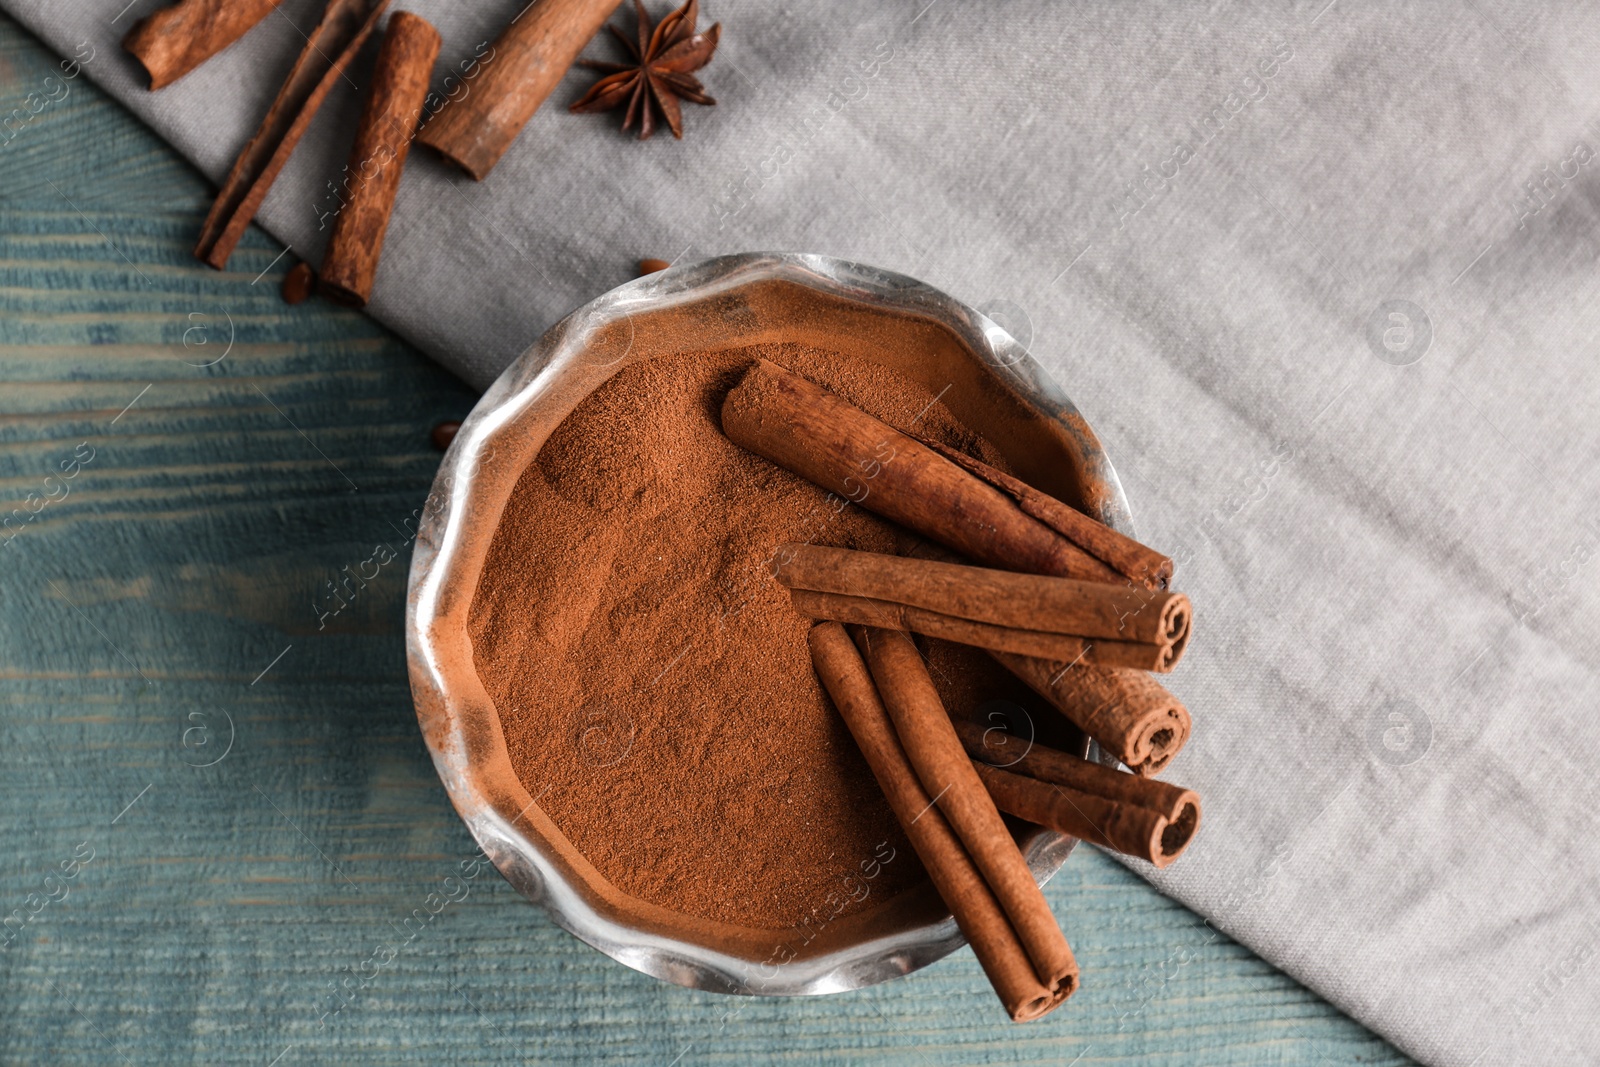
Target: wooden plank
[[222, 902]]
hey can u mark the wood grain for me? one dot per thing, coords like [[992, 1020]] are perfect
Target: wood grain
[[186, 556]]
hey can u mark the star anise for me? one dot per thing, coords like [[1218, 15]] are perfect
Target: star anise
[[661, 74]]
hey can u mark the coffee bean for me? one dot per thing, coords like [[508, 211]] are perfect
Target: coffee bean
[[443, 434], [297, 284]]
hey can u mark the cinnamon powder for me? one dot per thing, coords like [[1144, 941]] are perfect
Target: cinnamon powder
[[653, 683]]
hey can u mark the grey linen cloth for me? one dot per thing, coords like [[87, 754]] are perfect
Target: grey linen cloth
[[1322, 276]]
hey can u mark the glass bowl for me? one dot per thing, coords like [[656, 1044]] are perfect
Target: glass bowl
[[982, 374]]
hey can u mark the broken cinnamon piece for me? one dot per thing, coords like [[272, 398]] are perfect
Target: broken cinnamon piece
[[175, 40], [532, 54], [378, 157], [977, 913]]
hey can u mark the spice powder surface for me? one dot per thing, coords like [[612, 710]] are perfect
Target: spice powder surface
[[653, 683]]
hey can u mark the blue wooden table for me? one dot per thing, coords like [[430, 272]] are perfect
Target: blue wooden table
[[219, 813]]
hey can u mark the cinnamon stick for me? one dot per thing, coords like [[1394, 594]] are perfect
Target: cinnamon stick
[[345, 27], [1137, 816], [1008, 752], [985, 926], [808, 430], [887, 615], [177, 39], [1141, 564], [399, 84], [1024, 613], [1128, 712], [942, 766], [532, 54]]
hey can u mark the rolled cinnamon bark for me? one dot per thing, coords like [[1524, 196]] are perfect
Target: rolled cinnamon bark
[[808, 430], [942, 766], [531, 55], [977, 913], [345, 27], [1008, 752], [1132, 831], [1030, 603], [1128, 712], [862, 611], [1142, 565], [177, 39], [399, 84], [1136, 816]]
